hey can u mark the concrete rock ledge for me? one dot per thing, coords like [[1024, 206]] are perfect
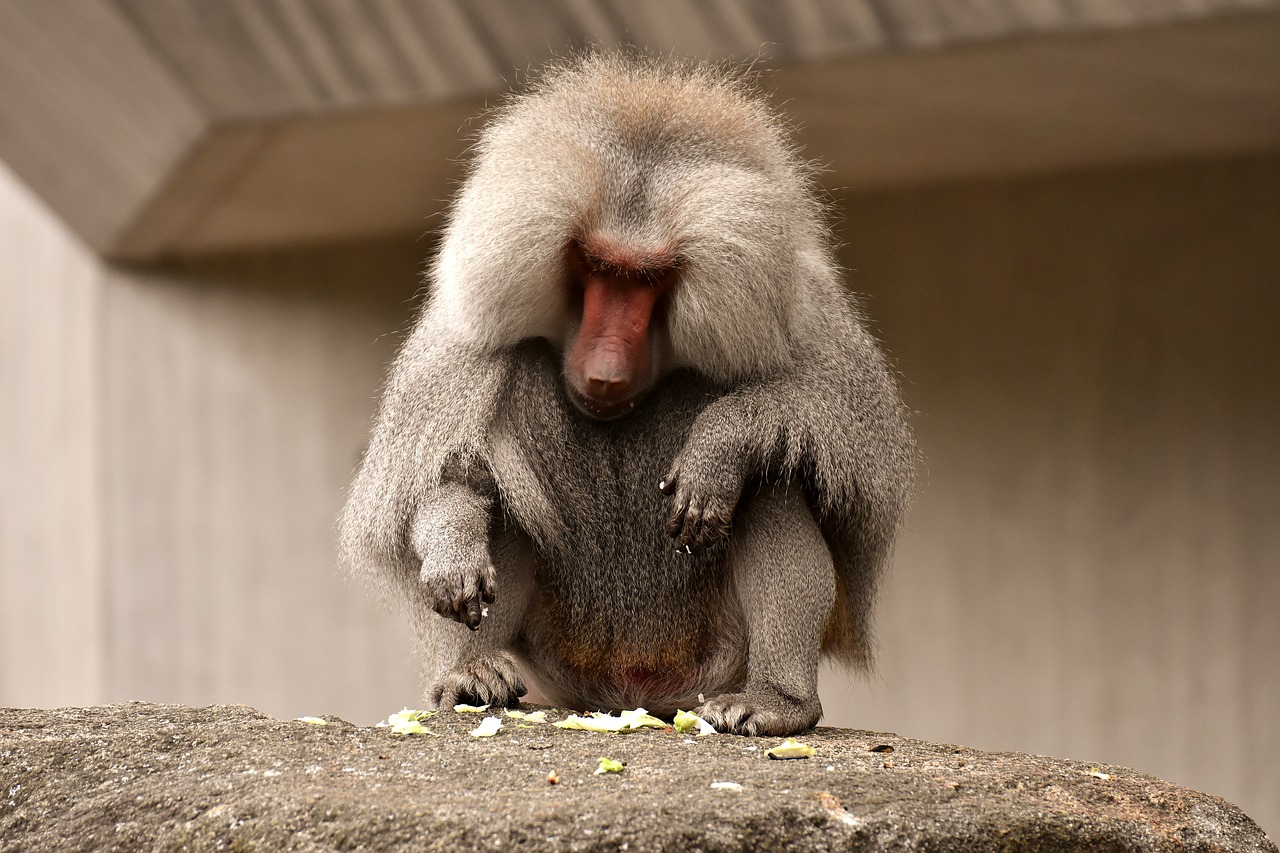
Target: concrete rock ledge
[[167, 777]]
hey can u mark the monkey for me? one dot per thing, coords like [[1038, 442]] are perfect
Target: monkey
[[640, 447]]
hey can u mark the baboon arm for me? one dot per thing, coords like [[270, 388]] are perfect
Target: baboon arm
[[431, 432], [833, 416], [835, 422]]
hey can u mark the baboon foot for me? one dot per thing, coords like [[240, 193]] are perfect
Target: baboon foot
[[481, 680], [761, 712]]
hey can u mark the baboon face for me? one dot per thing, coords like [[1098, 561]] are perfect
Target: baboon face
[[621, 288]]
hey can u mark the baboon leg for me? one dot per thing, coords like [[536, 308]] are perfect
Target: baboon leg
[[784, 578], [477, 667]]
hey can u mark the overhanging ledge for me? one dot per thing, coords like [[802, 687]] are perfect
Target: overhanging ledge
[[185, 128]]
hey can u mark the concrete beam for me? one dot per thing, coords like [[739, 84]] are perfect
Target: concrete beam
[[187, 128]]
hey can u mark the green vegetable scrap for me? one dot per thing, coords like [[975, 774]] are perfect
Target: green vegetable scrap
[[598, 721], [412, 727], [687, 721], [528, 716], [608, 765], [408, 722], [791, 749], [488, 727]]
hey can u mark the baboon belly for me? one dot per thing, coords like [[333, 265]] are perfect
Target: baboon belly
[[614, 603]]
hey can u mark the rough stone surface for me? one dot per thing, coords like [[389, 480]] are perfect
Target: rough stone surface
[[164, 777]]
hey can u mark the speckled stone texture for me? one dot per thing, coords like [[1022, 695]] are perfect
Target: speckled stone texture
[[165, 777]]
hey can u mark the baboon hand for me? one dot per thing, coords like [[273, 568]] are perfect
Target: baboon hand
[[460, 589], [704, 483]]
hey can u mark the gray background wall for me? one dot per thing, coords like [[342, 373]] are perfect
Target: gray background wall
[[1091, 568]]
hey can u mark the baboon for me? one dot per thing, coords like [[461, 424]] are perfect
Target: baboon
[[640, 448]]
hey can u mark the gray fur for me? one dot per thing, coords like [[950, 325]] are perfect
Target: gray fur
[[775, 425]]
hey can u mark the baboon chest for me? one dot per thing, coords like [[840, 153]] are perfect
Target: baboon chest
[[606, 563]]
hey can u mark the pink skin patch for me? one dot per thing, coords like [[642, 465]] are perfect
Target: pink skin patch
[[610, 364]]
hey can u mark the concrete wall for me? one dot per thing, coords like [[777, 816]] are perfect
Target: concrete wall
[[51, 578], [1091, 568], [238, 397], [174, 447]]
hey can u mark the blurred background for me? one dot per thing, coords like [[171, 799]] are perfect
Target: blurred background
[[1063, 216]]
